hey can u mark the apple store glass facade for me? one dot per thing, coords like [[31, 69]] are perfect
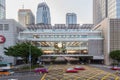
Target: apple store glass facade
[[67, 40]]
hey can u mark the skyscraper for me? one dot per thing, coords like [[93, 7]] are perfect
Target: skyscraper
[[71, 18], [2, 9], [114, 8], [43, 14], [25, 17], [105, 9], [99, 10]]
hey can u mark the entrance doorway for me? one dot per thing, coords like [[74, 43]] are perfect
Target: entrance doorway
[[85, 60]]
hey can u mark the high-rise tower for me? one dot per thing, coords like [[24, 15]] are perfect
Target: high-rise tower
[[2, 9], [99, 10], [105, 9], [26, 17], [71, 18], [43, 14], [113, 8]]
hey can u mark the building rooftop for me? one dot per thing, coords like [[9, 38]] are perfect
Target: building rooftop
[[60, 26], [42, 4], [24, 10]]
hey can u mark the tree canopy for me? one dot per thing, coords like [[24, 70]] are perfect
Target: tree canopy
[[24, 50], [115, 55]]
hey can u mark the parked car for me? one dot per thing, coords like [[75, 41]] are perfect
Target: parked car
[[79, 68], [71, 70], [41, 70]]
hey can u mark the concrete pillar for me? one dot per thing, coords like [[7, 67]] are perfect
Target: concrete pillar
[[106, 59]]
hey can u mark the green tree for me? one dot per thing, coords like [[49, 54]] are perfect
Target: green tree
[[115, 55], [24, 50]]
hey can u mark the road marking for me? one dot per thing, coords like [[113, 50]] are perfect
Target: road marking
[[117, 78], [87, 74], [94, 76], [106, 76], [43, 77]]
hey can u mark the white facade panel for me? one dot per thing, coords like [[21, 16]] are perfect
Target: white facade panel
[[11, 37]]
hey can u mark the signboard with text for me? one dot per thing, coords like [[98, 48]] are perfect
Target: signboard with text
[[2, 39]]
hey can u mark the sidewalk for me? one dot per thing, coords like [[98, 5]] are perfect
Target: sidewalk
[[19, 66], [100, 65]]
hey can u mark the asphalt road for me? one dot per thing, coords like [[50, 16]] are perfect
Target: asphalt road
[[58, 72], [105, 68], [22, 76]]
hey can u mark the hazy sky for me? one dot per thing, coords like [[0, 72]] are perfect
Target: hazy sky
[[58, 9]]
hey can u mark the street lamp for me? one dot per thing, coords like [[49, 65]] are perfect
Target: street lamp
[[30, 55]]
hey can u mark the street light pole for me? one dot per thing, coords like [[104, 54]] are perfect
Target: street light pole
[[30, 55]]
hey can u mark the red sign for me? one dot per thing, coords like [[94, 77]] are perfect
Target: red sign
[[2, 39]]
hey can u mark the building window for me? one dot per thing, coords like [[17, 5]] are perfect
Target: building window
[[84, 36], [6, 27], [1, 26]]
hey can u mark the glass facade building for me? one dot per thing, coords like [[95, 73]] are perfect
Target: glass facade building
[[2, 9], [43, 14], [99, 10], [105, 9], [65, 40], [114, 8], [71, 18]]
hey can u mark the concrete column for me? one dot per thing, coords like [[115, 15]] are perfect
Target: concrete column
[[106, 59]]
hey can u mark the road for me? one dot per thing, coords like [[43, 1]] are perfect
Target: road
[[23, 76], [58, 72]]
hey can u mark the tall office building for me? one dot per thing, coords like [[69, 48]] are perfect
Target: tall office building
[[105, 9], [71, 18], [99, 10], [43, 14], [2, 9], [114, 8], [106, 18], [26, 17]]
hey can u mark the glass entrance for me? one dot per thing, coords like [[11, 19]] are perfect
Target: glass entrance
[[74, 47]]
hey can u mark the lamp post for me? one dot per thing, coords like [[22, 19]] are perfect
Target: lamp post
[[30, 55]]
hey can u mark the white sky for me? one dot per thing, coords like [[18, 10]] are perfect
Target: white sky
[[58, 9]]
